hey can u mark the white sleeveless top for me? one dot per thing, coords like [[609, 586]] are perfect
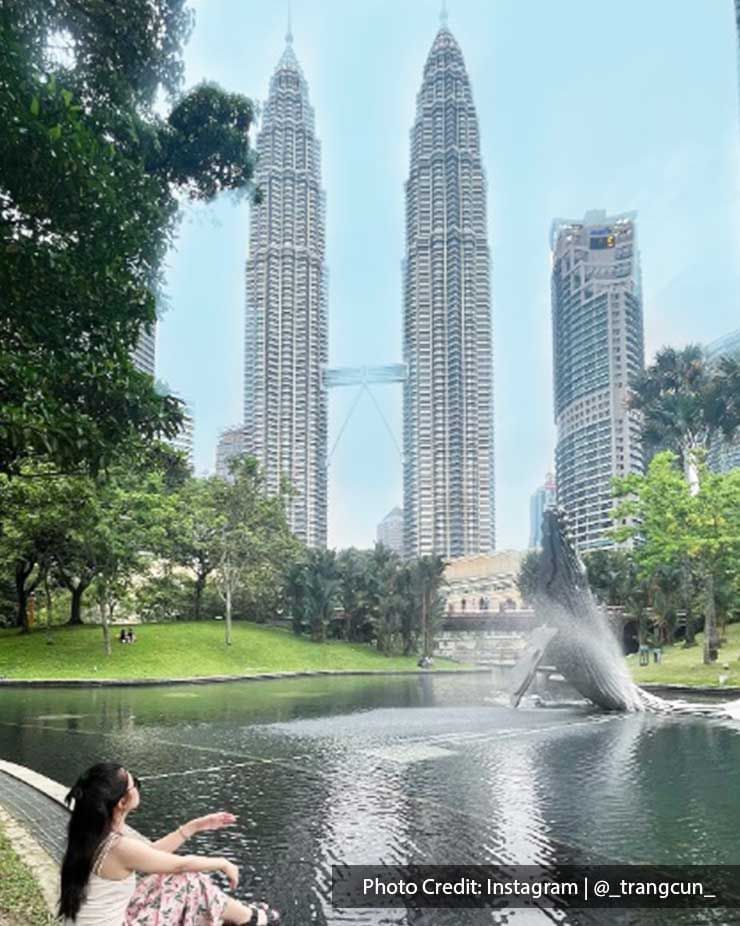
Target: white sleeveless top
[[106, 900]]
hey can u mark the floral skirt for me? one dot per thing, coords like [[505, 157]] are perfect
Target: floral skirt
[[188, 899]]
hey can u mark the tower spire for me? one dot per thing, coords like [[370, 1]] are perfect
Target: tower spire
[[443, 14], [289, 33]]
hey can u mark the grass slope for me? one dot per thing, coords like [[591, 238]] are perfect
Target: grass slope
[[179, 651], [681, 666], [21, 900]]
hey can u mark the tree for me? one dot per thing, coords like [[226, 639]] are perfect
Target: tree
[[253, 534], [74, 563], [384, 601], [683, 532], [88, 206], [526, 580], [714, 543], [34, 523], [131, 520], [354, 568], [427, 577], [322, 590], [295, 592], [686, 403], [194, 533], [615, 579], [409, 607]]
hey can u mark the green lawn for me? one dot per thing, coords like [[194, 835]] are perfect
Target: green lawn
[[681, 666], [181, 651], [21, 900]]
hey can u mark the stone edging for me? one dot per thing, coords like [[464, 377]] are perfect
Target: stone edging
[[47, 786], [313, 673], [43, 867], [690, 689], [217, 679]]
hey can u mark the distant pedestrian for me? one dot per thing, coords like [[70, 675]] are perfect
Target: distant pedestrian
[[131, 636], [123, 636], [644, 652], [657, 654]]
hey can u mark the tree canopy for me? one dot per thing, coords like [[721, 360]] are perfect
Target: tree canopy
[[88, 203]]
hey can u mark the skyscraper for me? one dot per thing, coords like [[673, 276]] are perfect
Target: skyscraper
[[286, 342], [230, 446], [724, 455], [390, 530], [543, 499], [145, 353], [183, 440], [597, 351], [448, 396]]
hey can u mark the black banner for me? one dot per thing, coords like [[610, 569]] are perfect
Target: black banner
[[563, 887]]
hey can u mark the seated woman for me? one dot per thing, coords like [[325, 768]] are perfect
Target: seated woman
[[99, 887]]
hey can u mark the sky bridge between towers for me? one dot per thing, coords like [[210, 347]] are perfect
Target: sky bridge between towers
[[363, 378]]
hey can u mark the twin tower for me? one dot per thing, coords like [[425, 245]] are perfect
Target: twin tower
[[448, 470]]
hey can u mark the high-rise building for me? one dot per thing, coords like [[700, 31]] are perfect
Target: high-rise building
[[724, 455], [543, 499], [230, 446], [145, 352], [390, 530], [597, 352], [447, 337], [183, 440], [286, 343]]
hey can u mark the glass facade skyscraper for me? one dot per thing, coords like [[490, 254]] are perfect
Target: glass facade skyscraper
[[598, 349], [448, 395], [144, 355], [286, 337], [724, 455], [541, 501]]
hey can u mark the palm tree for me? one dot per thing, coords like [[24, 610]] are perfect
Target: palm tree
[[526, 580], [428, 578], [687, 402], [295, 590], [322, 590]]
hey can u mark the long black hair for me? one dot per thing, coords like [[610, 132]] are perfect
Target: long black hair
[[95, 795]]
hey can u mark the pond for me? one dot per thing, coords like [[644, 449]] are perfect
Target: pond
[[397, 770]]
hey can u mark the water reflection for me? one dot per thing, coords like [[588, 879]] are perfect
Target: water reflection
[[397, 770]]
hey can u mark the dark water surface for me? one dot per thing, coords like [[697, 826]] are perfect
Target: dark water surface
[[398, 770]]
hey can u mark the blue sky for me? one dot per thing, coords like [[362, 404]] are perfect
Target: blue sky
[[629, 106]]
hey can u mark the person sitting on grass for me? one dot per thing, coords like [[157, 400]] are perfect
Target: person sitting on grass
[[123, 636], [99, 885]]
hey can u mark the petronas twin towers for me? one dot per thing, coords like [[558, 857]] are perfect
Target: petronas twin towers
[[448, 392]]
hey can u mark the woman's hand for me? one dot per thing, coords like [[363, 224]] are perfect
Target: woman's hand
[[231, 872], [212, 821]]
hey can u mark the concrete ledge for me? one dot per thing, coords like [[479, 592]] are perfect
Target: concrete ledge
[[217, 679], [691, 689], [43, 868], [41, 783]]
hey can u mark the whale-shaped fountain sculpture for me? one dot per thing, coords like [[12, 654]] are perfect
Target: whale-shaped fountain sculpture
[[580, 641]]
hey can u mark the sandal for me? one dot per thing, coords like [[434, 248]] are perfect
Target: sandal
[[262, 915]]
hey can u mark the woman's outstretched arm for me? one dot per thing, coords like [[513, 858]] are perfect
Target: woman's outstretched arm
[[213, 821], [135, 855]]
